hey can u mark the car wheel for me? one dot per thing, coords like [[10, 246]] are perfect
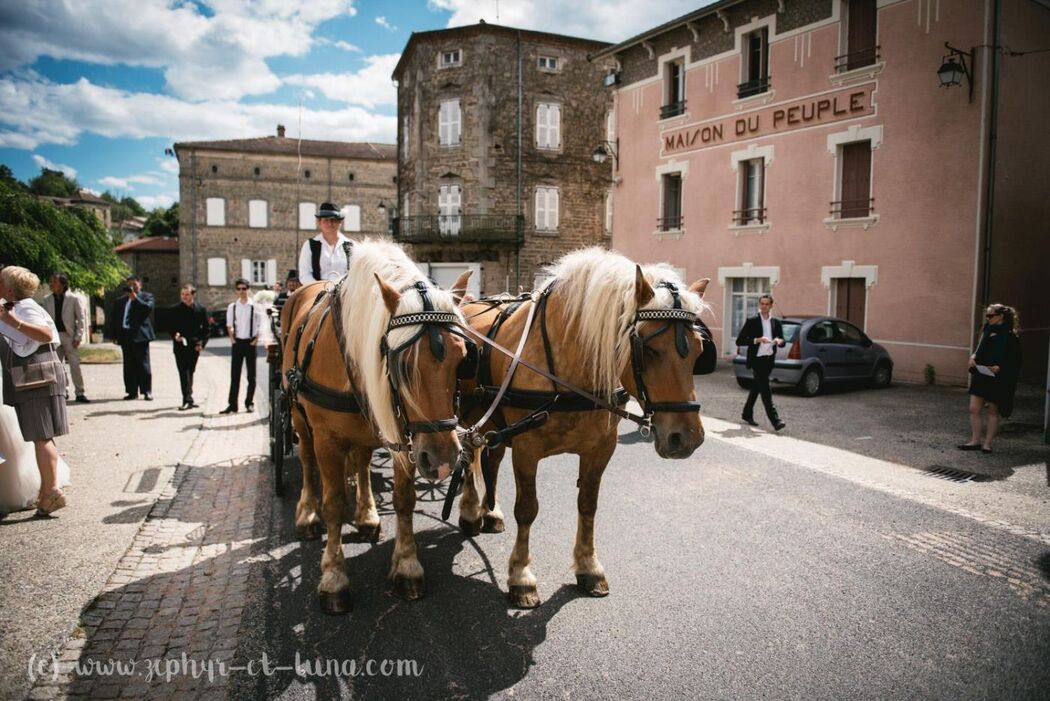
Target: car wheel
[[744, 382], [811, 382], [883, 375]]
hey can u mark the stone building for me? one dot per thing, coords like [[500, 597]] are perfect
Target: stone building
[[496, 127], [89, 201], [808, 148], [247, 205], [155, 259]]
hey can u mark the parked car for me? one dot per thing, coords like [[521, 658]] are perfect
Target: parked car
[[217, 323], [820, 350]]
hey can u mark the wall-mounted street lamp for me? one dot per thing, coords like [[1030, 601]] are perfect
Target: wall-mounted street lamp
[[952, 71], [381, 208], [605, 149]]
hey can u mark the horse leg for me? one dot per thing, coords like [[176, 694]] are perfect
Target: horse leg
[[405, 570], [590, 575], [366, 517], [521, 580], [307, 520], [334, 589], [492, 519]]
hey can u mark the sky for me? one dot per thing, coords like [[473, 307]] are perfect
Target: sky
[[99, 89]]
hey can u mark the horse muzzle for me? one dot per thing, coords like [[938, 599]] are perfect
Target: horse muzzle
[[677, 435], [436, 455]]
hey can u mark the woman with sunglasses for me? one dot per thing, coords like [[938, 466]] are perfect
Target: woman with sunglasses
[[994, 369]]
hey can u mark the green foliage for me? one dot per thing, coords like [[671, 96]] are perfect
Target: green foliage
[[36, 234], [163, 222], [52, 183], [7, 177], [124, 208]]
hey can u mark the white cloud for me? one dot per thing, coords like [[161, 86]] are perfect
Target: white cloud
[[111, 183], [370, 86], [128, 183], [169, 165], [151, 202], [382, 22], [45, 113], [607, 20], [70, 171], [341, 45]]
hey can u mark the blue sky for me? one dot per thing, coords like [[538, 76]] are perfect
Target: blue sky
[[99, 88]]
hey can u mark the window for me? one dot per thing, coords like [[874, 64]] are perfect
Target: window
[[850, 334], [822, 332], [755, 63], [257, 170], [307, 210], [547, 63], [216, 211], [215, 169], [674, 89], [448, 123], [743, 299], [258, 275], [450, 199], [672, 202], [352, 217], [752, 192], [257, 214], [351, 176], [217, 272], [608, 212], [855, 183], [259, 272], [306, 174], [450, 58], [546, 209], [548, 126], [861, 50]]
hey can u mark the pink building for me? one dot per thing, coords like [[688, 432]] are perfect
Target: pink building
[[805, 147]]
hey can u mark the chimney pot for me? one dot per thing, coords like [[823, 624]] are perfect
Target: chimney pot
[[280, 131]]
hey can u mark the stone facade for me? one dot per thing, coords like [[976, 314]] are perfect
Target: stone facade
[[494, 225], [156, 262], [267, 170]]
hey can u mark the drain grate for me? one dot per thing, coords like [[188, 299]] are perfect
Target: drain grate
[[955, 475]]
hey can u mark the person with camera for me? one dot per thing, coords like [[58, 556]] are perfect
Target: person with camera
[[189, 335], [130, 327], [33, 378]]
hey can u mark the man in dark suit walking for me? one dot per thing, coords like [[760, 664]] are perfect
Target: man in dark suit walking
[[189, 332], [129, 326], [762, 334]]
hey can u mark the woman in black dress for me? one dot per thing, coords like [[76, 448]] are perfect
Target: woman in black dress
[[994, 369]]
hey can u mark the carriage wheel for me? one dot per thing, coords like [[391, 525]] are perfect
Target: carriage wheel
[[277, 434]]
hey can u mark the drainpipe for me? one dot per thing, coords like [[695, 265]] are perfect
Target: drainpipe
[[193, 215], [519, 220], [993, 139]]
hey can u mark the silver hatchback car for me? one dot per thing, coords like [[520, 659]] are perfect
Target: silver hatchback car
[[819, 350]]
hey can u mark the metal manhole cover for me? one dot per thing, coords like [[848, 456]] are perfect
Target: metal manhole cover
[[956, 475]]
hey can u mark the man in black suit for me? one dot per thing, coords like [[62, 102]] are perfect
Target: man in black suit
[[189, 332], [762, 334], [129, 326]]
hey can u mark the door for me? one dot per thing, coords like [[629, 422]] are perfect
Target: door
[[850, 299], [858, 358], [856, 180], [823, 338], [449, 200]]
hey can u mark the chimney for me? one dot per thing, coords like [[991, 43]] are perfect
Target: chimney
[[280, 131]]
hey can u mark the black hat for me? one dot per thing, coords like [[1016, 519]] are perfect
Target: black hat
[[328, 211], [293, 274]]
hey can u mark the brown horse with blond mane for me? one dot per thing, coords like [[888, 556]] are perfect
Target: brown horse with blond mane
[[605, 324], [389, 383]]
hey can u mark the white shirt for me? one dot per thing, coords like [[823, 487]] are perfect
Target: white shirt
[[245, 319], [30, 312], [767, 331], [333, 260]]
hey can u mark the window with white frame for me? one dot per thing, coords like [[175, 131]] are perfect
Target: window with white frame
[[674, 89], [854, 186], [547, 63], [307, 210], [548, 125], [352, 217], [755, 63], [257, 214], [216, 211], [449, 123], [217, 272], [450, 200], [258, 274], [671, 208], [752, 189], [448, 59], [743, 300], [546, 209]]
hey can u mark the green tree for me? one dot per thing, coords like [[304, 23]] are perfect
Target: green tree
[[52, 183], [163, 222], [9, 179], [36, 234], [123, 208]]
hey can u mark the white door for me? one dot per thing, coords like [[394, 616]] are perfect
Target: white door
[[449, 200], [445, 274]]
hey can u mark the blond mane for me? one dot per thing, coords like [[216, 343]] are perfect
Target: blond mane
[[365, 319], [596, 287]]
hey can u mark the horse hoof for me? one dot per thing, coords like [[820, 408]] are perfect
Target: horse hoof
[[311, 531], [469, 528], [592, 584], [408, 588], [492, 524], [334, 603], [524, 597], [370, 532]]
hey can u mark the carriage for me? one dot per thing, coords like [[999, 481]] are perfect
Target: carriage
[[282, 437]]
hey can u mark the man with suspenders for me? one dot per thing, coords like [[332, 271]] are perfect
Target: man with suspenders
[[324, 257], [244, 323]]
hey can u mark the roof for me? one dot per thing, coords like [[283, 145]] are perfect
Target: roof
[[441, 34], [291, 146], [90, 197], [150, 244], [709, 9]]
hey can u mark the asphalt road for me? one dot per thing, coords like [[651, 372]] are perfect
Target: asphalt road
[[765, 566]]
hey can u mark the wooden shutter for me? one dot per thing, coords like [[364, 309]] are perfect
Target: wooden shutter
[[861, 33], [850, 295], [246, 269], [856, 179], [541, 126], [453, 122], [271, 271], [552, 209], [554, 126], [541, 208]]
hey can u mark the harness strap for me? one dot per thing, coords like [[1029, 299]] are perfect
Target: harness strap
[[315, 258], [547, 350]]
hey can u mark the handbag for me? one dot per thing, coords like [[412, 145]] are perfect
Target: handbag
[[36, 373]]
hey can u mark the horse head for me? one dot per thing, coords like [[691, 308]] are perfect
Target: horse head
[[664, 348]]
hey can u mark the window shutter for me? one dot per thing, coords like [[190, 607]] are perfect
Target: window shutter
[[306, 215], [552, 209], [352, 217], [246, 269], [541, 209], [554, 126], [454, 122], [541, 125], [861, 34], [257, 214], [271, 271], [443, 123], [216, 211], [455, 200], [217, 272], [856, 179]]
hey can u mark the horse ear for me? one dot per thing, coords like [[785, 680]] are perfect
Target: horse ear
[[391, 298], [700, 286], [459, 287], [643, 291]]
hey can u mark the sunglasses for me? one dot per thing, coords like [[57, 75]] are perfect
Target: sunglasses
[[241, 289], [993, 314]]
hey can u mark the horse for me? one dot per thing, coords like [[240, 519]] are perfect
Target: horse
[[383, 384], [606, 323]]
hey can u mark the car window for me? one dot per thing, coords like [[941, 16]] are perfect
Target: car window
[[822, 332], [850, 333], [791, 329]]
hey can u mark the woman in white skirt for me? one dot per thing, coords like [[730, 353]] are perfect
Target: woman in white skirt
[[26, 335]]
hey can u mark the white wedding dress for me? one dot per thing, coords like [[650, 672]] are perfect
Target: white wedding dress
[[19, 476]]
